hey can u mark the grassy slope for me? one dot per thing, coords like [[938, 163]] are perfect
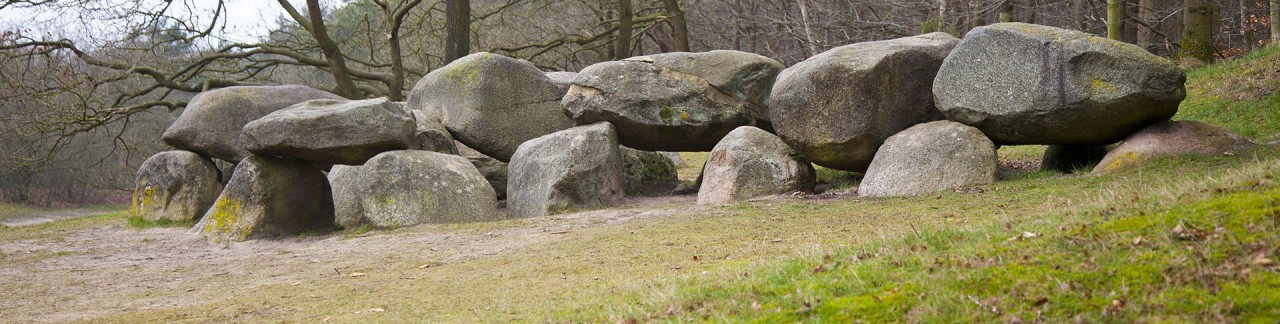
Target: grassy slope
[[1184, 239]]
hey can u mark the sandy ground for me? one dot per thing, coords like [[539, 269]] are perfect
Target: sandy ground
[[101, 271]]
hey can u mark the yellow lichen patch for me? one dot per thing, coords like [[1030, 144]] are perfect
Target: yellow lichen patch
[[143, 199], [1099, 88], [223, 216], [1124, 161], [684, 115]]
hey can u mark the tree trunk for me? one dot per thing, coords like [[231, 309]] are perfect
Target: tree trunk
[[1115, 19], [1147, 36], [1197, 31], [457, 26], [679, 29], [345, 87], [623, 47], [810, 44], [1246, 33], [1275, 21]]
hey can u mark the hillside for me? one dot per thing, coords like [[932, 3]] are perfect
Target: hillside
[[1188, 238]]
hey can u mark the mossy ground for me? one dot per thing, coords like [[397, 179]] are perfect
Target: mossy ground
[[1181, 239]]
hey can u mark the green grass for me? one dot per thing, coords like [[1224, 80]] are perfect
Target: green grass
[[139, 223], [1116, 260], [10, 210], [1237, 94]]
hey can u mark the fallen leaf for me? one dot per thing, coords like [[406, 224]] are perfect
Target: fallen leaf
[[376, 310], [776, 240], [1137, 240], [357, 274]]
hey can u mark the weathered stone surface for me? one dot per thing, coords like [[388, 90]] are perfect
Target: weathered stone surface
[[930, 157], [648, 173], [564, 80], [175, 185], [1030, 84], [837, 107], [404, 188], [1068, 158], [211, 123], [675, 158], [269, 197], [675, 101], [491, 102], [329, 131], [571, 170], [431, 135], [751, 162], [1171, 138], [493, 170]]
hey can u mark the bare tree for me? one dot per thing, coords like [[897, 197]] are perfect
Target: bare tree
[[457, 29], [1197, 32]]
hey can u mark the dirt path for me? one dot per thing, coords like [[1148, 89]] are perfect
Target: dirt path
[[51, 216], [95, 272]]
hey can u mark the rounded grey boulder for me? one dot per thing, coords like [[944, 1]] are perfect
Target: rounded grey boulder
[[269, 197], [329, 131], [749, 163], [1030, 84], [930, 157], [675, 101], [571, 170], [175, 185], [491, 102], [837, 107], [403, 188], [211, 123]]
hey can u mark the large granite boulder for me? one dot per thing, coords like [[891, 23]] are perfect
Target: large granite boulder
[[403, 188], [571, 170], [1069, 158], [1031, 84], [751, 162], [431, 135], [648, 173], [491, 102], [930, 157], [328, 131], [269, 197], [1171, 138], [564, 80], [493, 170], [176, 186], [675, 101], [837, 107], [211, 123]]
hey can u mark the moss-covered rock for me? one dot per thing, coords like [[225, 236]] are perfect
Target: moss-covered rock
[[751, 162], [1171, 138], [836, 107], [675, 101], [1029, 84], [491, 102], [648, 173], [175, 185], [211, 123], [269, 197], [403, 188]]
